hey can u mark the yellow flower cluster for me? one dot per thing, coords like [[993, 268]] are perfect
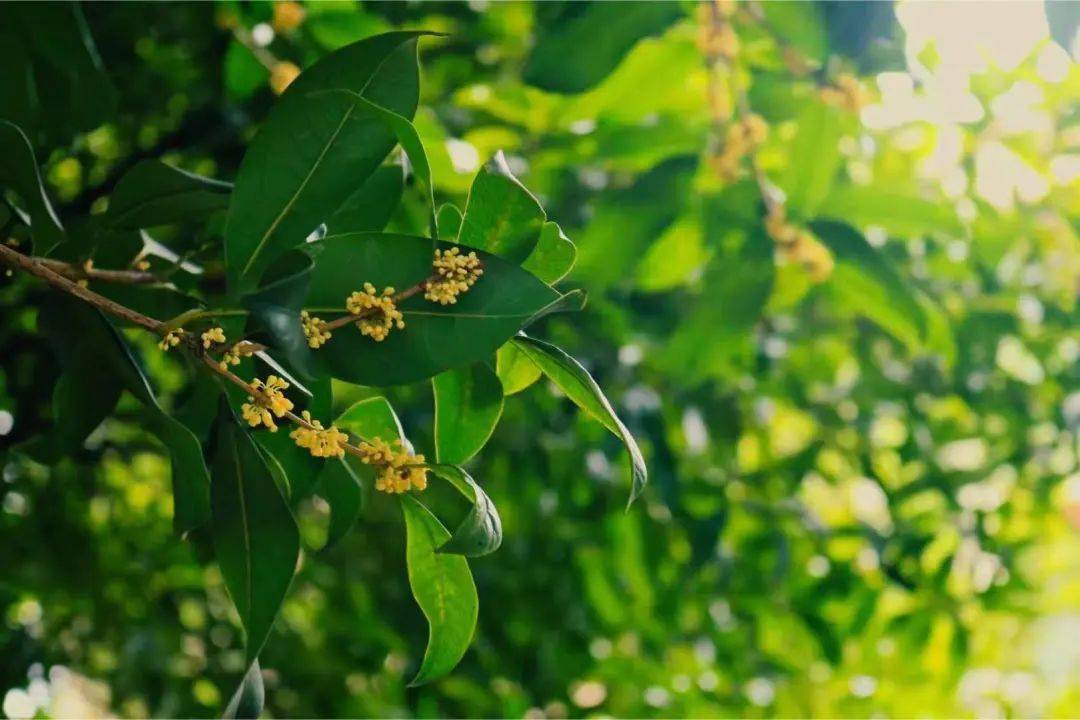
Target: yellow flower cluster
[[716, 36], [320, 441], [743, 137], [454, 274], [257, 411], [171, 339], [398, 470], [232, 355], [799, 245], [846, 92], [211, 336], [379, 312], [314, 330]]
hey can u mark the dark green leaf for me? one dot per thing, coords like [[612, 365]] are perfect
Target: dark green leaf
[[443, 587], [19, 173], [468, 403], [275, 309], [435, 337], [480, 533], [248, 700], [372, 205], [582, 42], [340, 487], [153, 193], [410, 142], [314, 150], [255, 537], [553, 256], [579, 386], [501, 216]]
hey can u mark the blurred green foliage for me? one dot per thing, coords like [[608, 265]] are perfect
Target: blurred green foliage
[[866, 496]]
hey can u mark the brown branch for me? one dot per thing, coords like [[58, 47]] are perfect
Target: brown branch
[[77, 272], [19, 261]]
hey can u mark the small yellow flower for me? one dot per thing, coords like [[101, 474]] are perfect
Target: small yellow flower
[[88, 265], [321, 442], [398, 471], [232, 355], [379, 313], [454, 274], [846, 92], [282, 76], [142, 265], [171, 339], [314, 330], [269, 399], [211, 336]]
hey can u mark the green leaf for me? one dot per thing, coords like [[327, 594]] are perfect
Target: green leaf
[[340, 487], [436, 337], [19, 173], [449, 220], [553, 256], [340, 480], [800, 25], [866, 284], [153, 193], [501, 216], [480, 533], [468, 403], [371, 418], [898, 213], [515, 370], [372, 205], [275, 308], [443, 587], [315, 148], [52, 81], [250, 696], [256, 541], [580, 43], [813, 157], [628, 219], [410, 142], [101, 349], [579, 386]]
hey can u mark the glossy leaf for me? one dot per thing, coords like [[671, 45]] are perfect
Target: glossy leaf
[[436, 337], [275, 308], [409, 140], [443, 587], [468, 403], [19, 173], [248, 700], [315, 148], [153, 193], [371, 205], [255, 537], [448, 218], [480, 533], [371, 418], [515, 370], [553, 256], [579, 386], [501, 216]]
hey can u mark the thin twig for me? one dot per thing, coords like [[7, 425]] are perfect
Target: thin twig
[[83, 272]]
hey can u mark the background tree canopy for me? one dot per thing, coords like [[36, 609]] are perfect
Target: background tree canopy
[[832, 258]]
